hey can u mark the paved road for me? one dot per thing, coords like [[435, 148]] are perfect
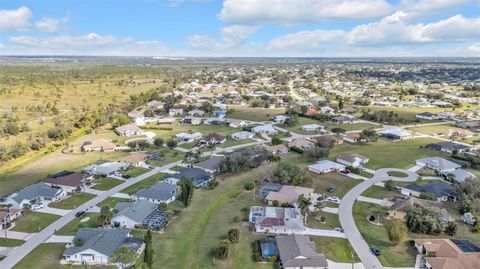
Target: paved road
[[18, 253], [346, 215]]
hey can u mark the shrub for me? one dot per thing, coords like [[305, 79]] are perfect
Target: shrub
[[233, 235], [249, 185]]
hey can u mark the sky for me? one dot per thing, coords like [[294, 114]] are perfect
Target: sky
[[241, 28]]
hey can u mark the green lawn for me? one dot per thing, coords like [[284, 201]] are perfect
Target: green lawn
[[45, 256], [352, 127], [111, 201], [336, 249], [401, 255], [378, 192], [73, 201], [146, 183], [433, 129], [231, 142], [165, 156], [135, 171], [253, 113], [386, 153], [397, 174], [341, 183], [106, 183], [32, 222], [204, 129], [331, 220], [72, 227], [9, 242]]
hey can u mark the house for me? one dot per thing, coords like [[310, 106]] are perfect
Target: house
[[459, 133], [211, 165], [128, 130], [288, 194], [355, 160], [448, 147], [312, 128], [264, 129], [166, 121], [140, 213], [438, 164], [199, 177], [298, 251], [353, 138], [468, 218], [301, 143], [344, 119], [276, 220], [138, 159], [396, 134], [237, 123], [95, 246], [102, 144], [215, 121], [137, 116], [471, 124], [36, 193], [196, 113], [188, 137], [426, 116], [160, 192], [156, 105], [401, 205], [280, 118], [242, 135], [266, 187], [312, 112], [443, 191], [448, 253], [191, 120], [69, 181], [458, 175], [172, 112], [213, 138], [106, 168], [335, 138], [325, 166], [8, 217], [277, 149]]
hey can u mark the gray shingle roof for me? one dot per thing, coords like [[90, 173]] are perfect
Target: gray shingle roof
[[36, 190], [438, 189], [198, 175], [104, 241], [136, 211], [160, 191], [299, 251], [212, 164]]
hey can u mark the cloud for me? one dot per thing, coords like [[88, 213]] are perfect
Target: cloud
[[15, 20], [200, 41], [395, 29], [300, 11], [236, 35], [421, 8], [475, 48], [48, 25], [305, 40]]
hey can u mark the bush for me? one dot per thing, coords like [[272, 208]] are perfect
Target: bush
[[233, 235], [428, 196], [223, 249], [389, 185], [396, 231], [296, 149], [451, 228], [249, 185]]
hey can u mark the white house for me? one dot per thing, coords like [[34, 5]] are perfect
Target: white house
[[277, 220], [280, 118], [438, 164], [139, 213], [161, 192], [187, 137], [397, 134], [242, 135], [355, 160], [237, 123], [264, 129], [128, 130], [325, 166], [36, 193], [312, 127], [175, 112]]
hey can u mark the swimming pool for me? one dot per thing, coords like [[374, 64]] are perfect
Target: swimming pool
[[269, 247]]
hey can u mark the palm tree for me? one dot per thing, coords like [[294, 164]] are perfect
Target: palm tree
[[303, 204]]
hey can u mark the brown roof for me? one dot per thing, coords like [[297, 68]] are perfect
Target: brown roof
[[301, 143], [279, 147], [448, 255], [74, 179], [289, 194], [135, 157]]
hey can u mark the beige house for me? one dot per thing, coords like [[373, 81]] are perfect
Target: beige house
[[102, 144], [136, 159], [288, 194], [448, 253]]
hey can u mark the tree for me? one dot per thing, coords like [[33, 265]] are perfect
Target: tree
[[389, 185], [249, 185], [148, 252], [397, 231], [105, 216], [451, 228], [223, 249], [158, 142], [171, 143], [233, 235], [303, 204], [124, 256], [476, 226], [121, 120], [378, 211], [428, 196], [186, 191], [369, 134], [316, 153], [276, 140], [337, 130]]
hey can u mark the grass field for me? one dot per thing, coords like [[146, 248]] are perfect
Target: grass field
[[111, 202], [378, 192], [73, 201], [72, 227], [9, 242], [32, 222], [106, 183], [336, 249], [146, 183], [135, 171], [386, 153], [253, 113], [165, 156], [433, 129], [45, 256]]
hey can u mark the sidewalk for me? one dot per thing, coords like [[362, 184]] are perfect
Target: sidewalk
[[60, 239], [17, 235]]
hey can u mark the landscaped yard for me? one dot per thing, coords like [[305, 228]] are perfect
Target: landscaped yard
[[32, 222], [146, 183], [9, 242], [387, 153], [74, 200], [106, 183], [81, 222], [331, 220]]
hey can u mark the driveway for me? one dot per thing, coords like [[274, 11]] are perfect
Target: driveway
[[55, 211], [345, 212]]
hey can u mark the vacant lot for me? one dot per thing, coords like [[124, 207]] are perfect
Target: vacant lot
[[253, 113], [146, 183], [72, 202], [32, 222], [9, 242], [106, 183], [89, 220]]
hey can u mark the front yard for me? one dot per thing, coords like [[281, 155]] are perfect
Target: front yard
[[9, 242], [146, 183], [135, 171], [79, 222], [73, 201], [32, 222], [106, 183]]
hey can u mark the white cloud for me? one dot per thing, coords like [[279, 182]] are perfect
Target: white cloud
[[15, 20], [199, 41], [475, 48], [89, 40], [300, 11], [395, 29], [48, 25], [236, 35], [305, 40], [420, 8]]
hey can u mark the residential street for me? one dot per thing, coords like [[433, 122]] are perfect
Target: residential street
[[18, 253], [346, 214]]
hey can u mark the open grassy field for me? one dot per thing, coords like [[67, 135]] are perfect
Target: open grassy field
[[253, 113], [407, 112], [388, 153], [73, 201], [9, 242], [378, 192], [45, 256], [135, 171], [106, 183], [72, 227], [111, 201], [336, 249], [165, 156], [32, 222], [434, 129], [146, 183]]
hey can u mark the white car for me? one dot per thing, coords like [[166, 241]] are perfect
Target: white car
[[333, 199], [37, 206]]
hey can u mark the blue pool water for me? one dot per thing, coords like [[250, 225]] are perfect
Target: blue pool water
[[269, 249]]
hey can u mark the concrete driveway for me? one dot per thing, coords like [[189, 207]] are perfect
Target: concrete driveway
[[345, 212]]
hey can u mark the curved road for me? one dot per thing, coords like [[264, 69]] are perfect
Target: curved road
[[345, 213]]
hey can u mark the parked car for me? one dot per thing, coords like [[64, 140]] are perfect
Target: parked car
[[37, 206], [338, 229], [333, 199], [79, 213], [375, 251]]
